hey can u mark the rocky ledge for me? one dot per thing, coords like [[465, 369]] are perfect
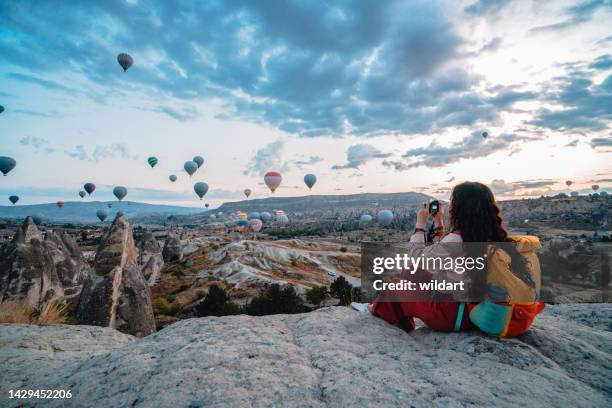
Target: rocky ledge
[[331, 357]]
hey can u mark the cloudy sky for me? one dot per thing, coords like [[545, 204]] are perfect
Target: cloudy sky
[[370, 96]]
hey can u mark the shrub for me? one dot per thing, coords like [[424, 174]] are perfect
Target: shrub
[[276, 300], [161, 306], [52, 312], [200, 293], [216, 303], [343, 249], [316, 294], [12, 312], [294, 262], [342, 289]]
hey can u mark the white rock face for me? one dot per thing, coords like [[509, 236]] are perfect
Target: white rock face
[[333, 357]]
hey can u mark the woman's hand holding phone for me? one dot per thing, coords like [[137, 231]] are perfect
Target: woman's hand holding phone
[[422, 216]]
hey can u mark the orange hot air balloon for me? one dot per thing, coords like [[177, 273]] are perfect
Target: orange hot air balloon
[[273, 180]]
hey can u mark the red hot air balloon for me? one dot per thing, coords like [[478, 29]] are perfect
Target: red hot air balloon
[[60, 204], [273, 179]]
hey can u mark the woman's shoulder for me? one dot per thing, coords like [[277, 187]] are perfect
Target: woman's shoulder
[[452, 237]]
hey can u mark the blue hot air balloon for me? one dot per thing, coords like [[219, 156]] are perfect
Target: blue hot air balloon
[[190, 167], [254, 215], [310, 180], [199, 160], [265, 216], [120, 192], [101, 214], [172, 178], [89, 187], [7, 164], [152, 161], [365, 220], [13, 199], [385, 217], [200, 189], [125, 60]]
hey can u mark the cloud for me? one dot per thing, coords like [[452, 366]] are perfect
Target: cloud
[[470, 147], [268, 158], [485, 7], [602, 62], [38, 81], [573, 143], [36, 113], [576, 15], [312, 160], [118, 150], [307, 68], [580, 103], [181, 114], [601, 142], [501, 187], [360, 154], [33, 141]]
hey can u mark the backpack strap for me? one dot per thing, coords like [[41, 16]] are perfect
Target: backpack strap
[[459, 317]]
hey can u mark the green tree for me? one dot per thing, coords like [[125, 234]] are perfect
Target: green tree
[[216, 303], [316, 294], [342, 289], [276, 300]]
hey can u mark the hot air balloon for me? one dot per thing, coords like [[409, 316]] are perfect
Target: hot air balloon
[[568, 183], [212, 217], [603, 194], [256, 225], [172, 178], [82, 194], [485, 135], [7, 164], [89, 187], [595, 187], [243, 216], [254, 215], [152, 161], [265, 216], [125, 60], [242, 223], [200, 189], [190, 167], [1, 108], [60, 204], [385, 217], [574, 194], [101, 214], [109, 205], [282, 219], [38, 218], [273, 180], [310, 180], [206, 205], [199, 160], [130, 203], [120, 192], [364, 220], [247, 192], [13, 199]]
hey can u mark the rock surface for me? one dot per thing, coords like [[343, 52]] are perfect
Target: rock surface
[[173, 250], [72, 269], [332, 357], [27, 268], [117, 296], [150, 258]]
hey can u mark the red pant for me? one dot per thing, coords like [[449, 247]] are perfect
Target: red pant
[[437, 315]]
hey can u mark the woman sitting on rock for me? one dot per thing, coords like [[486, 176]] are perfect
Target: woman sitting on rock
[[506, 289]]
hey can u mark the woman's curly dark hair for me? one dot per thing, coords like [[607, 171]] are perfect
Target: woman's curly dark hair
[[475, 215]]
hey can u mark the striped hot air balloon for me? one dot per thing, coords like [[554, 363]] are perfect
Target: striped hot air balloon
[[273, 179], [152, 161]]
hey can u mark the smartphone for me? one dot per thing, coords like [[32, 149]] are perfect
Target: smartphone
[[434, 207]]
